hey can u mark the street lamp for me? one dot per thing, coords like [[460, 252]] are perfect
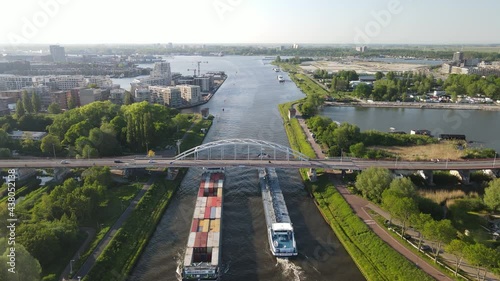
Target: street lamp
[[179, 146], [71, 266], [54, 150], [494, 160]]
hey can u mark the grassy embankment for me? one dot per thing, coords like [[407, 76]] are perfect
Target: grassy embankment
[[375, 259], [120, 256]]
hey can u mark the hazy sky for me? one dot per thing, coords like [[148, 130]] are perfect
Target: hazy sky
[[250, 21]]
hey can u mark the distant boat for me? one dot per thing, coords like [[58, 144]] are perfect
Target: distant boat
[[281, 79]]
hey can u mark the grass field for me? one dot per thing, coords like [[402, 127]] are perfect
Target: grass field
[[442, 151]]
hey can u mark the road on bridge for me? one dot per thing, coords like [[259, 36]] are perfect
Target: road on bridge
[[333, 163]]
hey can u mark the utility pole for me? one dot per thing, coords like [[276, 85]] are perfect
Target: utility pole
[[54, 150], [179, 146]]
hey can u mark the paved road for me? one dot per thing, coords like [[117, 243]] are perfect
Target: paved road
[[360, 206], [90, 235], [89, 263]]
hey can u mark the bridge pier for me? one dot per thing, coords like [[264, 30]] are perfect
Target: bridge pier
[[465, 176], [313, 177], [428, 175], [496, 172], [170, 173], [60, 174]]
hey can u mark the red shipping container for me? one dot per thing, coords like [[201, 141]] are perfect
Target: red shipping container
[[204, 239], [207, 212], [194, 225]]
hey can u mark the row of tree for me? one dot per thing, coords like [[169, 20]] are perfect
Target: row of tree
[[472, 85], [28, 105], [393, 86], [400, 198]]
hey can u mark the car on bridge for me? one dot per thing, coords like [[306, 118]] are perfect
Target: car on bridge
[[64, 162]]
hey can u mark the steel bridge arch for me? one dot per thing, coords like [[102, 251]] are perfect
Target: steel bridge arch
[[248, 142]]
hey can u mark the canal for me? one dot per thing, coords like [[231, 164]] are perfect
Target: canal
[[246, 107]]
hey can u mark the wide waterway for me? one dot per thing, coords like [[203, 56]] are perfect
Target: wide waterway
[[246, 107], [480, 127]]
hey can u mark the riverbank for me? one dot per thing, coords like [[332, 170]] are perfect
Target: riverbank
[[460, 106], [131, 236], [375, 259], [207, 98]]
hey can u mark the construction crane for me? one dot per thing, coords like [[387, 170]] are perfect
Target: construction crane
[[193, 70], [200, 62]]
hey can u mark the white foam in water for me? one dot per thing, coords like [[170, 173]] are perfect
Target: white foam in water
[[179, 267], [290, 269]]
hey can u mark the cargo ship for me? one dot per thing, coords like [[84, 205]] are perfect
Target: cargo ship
[[279, 226], [202, 257]]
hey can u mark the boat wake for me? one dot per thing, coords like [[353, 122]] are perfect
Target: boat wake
[[178, 270], [290, 270]]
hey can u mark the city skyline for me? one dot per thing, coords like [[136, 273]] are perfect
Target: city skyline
[[238, 21]]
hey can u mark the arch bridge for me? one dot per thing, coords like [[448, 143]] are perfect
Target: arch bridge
[[241, 149]]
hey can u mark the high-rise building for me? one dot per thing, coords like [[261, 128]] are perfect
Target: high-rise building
[[161, 69], [171, 96], [458, 57], [191, 94], [58, 54]]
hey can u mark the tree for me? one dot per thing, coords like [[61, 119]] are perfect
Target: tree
[[492, 195], [390, 75], [481, 257], [27, 267], [358, 150], [28, 106], [128, 99], [418, 221], [456, 248], [441, 232], [372, 182], [36, 103], [379, 75], [54, 108], [401, 208], [403, 187], [19, 108], [71, 103], [346, 135], [50, 144], [363, 91]]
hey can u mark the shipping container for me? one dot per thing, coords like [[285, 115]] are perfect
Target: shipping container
[[188, 258], [191, 239], [215, 256]]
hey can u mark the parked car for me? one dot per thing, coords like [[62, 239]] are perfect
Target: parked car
[[407, 236], [425, 248]]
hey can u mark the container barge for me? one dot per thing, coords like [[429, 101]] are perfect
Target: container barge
[[202, 257], [279, 226]]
